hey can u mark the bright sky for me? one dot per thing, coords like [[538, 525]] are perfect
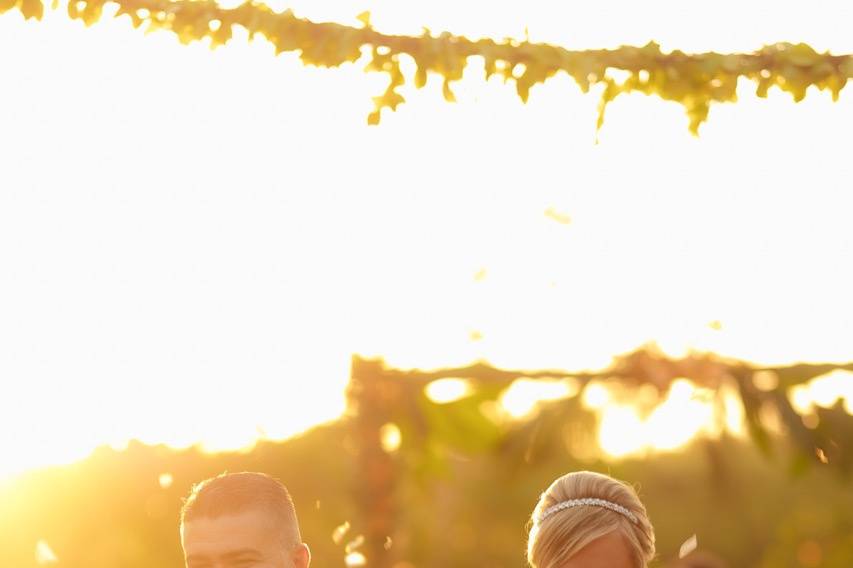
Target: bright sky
[[193, 243]]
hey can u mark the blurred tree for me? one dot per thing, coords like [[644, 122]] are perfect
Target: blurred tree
[[434, 434]]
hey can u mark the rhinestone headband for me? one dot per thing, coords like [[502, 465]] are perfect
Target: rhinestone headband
[[588, 501]]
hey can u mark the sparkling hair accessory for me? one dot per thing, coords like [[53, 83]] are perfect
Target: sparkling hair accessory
[[588, 501]]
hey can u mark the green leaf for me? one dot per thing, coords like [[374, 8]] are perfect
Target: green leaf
[[461, 425]]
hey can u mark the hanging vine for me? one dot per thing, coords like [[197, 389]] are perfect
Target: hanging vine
[[695, 81]]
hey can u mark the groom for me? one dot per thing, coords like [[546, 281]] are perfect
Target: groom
[[241, 520]]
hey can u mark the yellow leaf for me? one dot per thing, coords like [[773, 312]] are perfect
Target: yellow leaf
[[532, 75], [448, 94], [732, 63], [802, 55], [32, 9], [373, 118], [698, 113], [764, 85], [92, 13], [522, 86], [221, 36], [364, 18], [391, 99], [847, 68], [490, 67], [6, 5], [420, 77], [611, 91]]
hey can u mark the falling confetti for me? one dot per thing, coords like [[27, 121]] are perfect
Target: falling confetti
[[355, 559], [391, 437], [166, 480], [354, 544], [44, 554], [821, 455], [388, 543], [557, 216], [688, 546], [339, 532]]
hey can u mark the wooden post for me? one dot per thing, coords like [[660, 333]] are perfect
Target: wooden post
[[375, 479]]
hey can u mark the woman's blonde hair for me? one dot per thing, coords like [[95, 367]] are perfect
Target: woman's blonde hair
[[563, 533]]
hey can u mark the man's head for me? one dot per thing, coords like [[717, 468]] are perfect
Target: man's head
[[241, 520]]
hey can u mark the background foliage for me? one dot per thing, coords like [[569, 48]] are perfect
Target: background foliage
[[110, 511]]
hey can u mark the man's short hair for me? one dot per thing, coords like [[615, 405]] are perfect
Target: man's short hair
[[234, 493]]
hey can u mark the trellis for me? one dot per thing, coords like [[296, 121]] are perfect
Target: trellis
[[379, 395]]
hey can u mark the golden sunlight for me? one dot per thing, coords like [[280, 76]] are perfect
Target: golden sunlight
[[443, 391], [523, 395], [224, 226], [824, 391], [44, 554], [391, 437], [685, 413]]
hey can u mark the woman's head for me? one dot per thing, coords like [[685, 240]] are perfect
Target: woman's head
[[590, 519]]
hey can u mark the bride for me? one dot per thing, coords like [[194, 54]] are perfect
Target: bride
[[590, 520]]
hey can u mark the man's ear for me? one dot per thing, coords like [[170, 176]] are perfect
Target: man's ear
[[301, 556]]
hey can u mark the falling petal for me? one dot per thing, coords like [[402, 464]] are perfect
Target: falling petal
[[44, 554], [355, 559], [688, 546], [354, 544], [557, 216], [339, 532], [391, 437], [166, 480]]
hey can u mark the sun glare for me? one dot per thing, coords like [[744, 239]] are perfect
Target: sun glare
[[44, 554], [596, 396], [187, 225], [679, 418], [824, 391], [443, 391], [523, 395]]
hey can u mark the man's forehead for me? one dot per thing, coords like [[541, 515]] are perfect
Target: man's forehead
[[254, 527]]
